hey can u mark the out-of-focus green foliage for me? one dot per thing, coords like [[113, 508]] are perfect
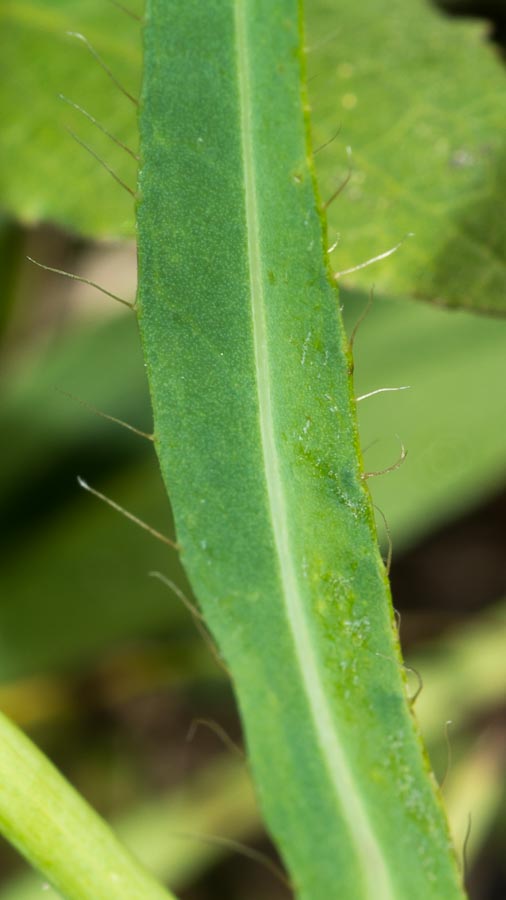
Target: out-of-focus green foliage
[[462, 675], [89, 598], [44, 174], [99, 363], [450, 419], [418, 98], [462, 672], [421, 102]]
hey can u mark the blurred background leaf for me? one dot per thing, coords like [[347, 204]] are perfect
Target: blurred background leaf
[[428, 154], [44, 175], [420, 100], [450, 418]]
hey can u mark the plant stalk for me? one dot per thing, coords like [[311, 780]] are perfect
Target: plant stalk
[[59, 833]]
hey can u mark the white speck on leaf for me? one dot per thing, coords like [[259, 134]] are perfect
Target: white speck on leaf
[[305, 347]]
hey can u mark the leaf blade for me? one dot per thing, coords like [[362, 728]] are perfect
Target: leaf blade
[[244, 348]]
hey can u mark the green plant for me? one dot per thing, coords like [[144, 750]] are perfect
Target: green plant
[[253, 407], [56, 830], [250, 375]]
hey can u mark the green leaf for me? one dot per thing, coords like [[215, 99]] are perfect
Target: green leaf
[[257, 440], [474, 793], [43, 427], [47, 441], [92, 563], [44, 174], [421, 101], [418, 165], [463, 673], [451, 420]]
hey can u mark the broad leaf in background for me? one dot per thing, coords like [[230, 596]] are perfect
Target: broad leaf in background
[[80, 584], [44, 174], [463, 673], [100, 364], [451, 420], [421, 101], [73, 572]]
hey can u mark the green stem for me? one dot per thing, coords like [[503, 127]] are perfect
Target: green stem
[[54, 828]]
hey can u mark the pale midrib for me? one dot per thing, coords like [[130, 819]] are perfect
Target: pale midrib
[[369, 854]]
